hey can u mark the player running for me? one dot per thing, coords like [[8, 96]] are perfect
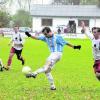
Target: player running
[[95, 39], [55, 44], [17, 42]]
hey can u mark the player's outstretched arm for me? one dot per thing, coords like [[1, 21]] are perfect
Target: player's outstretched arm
[[87, 32], [74, 46], [29, 35]]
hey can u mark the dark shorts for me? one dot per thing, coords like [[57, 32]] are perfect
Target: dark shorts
[[17, 52], [96, 66]]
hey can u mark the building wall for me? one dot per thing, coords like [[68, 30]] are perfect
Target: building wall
[[36, 24], [56, 22], [97, 22], [62, 21], [94, 23]]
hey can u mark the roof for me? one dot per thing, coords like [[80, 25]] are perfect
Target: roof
[[65, 10]]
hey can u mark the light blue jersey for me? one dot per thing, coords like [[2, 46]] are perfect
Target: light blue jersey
[[55, 43]]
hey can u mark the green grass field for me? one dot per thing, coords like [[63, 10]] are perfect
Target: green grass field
[[73, 75]]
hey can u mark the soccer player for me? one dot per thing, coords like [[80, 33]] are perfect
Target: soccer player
[[55, 44], [95, 39], [17, 47]]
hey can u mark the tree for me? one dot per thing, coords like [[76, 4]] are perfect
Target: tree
[[99, 3], [2, 5], [75, 2], [66, 2], [24, 20], [22, 4], [4, 19], [62, 2], [89, 2]]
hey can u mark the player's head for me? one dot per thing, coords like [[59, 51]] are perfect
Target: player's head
[[47, 32], [96, 33], [16, 29], [94, 29]]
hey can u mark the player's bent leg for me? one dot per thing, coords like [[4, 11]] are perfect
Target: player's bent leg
[[40, 70], [52, 59], [12, 52], [23, 61], [19, 57], [34, 74], [29, 75], [44, 68], [9, 62]]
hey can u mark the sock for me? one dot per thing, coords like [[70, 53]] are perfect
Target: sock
[[50, 79], [9, 62], [22, 60], [40, 70]]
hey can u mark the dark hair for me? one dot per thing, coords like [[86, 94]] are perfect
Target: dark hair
[[93, 28], [46, 30], [82, 31], [98, 30]]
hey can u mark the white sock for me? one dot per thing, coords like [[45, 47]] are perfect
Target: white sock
[[40, 70], [50, 79]]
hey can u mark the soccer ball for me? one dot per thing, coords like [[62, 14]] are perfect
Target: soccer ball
[[26, 70]]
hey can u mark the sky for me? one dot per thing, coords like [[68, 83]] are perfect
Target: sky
[[14, 7]]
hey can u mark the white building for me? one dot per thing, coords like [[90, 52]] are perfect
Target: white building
[[41, 1], [62, 15]]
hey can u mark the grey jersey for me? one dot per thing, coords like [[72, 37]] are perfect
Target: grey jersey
[[95, 45], [96, 49]]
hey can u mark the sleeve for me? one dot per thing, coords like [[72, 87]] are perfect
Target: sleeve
[[61, 41], [89, 34], [42, 38]]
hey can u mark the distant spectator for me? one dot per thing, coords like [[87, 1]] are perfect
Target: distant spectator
[[83, 28], [59, 31], [82, 31], [1, 33]]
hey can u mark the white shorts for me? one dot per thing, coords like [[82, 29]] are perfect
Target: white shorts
[[54, 57]]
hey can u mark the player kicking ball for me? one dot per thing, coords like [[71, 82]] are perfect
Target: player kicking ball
[[55, 44], [95, 39]]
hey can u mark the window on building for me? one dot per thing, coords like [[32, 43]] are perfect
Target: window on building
[[46, 22], [85, 21]]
